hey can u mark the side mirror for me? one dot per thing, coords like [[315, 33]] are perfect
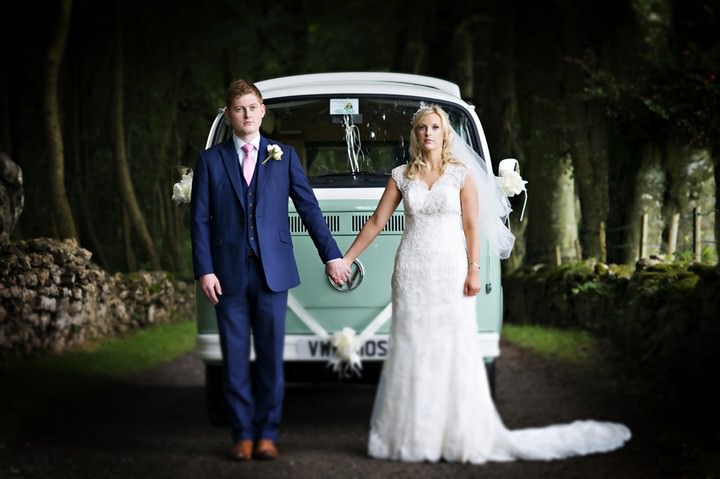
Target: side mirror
[[508, 165]]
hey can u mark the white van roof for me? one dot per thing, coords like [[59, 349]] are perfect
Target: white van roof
[[359, 82]]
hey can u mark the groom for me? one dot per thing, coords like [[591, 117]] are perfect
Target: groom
[[243, 259]]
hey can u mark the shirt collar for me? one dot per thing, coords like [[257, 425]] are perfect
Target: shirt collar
[[239, 143]]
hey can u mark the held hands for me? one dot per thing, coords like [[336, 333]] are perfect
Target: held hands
[[211, 287], [338, 270]]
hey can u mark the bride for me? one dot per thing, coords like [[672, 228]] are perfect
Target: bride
[[433, 400]]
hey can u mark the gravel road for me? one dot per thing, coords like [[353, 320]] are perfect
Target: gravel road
[[153, 425]]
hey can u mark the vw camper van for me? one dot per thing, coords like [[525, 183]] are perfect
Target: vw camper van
[[350, 130]]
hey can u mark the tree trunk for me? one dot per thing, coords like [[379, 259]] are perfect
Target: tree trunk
[[691, 185], [464, 42], [504, 129], [127, 191], [167, 226], [438, 59], [551, 218], [56, 170], [715, 157], [165, 174], [586, 128], [79, 178], [130, 260], [649, 192], [588, 150], [6, 144]]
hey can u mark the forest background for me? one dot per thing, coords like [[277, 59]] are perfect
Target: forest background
[[610, 106]]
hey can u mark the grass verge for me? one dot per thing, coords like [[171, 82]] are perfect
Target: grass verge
[[573, 346], [31, 385]]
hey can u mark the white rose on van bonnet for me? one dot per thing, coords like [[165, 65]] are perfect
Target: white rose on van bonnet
[[182, 189]]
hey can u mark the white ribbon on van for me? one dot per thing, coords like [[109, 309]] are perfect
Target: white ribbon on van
[[510, 181], [346, 343]]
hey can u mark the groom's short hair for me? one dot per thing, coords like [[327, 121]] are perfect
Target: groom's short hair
[[241, 87]]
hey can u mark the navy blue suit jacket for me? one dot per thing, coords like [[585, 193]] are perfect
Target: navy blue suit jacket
[[219, 216]]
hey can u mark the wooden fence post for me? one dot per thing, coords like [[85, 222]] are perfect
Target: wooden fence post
[[643, 236], [558, 256], [672, 239], [697, 234], [603, 243]]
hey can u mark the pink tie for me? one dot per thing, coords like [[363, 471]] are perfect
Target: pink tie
[[248, 162]]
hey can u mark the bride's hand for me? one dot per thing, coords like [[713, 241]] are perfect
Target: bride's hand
[[338, 270], [472, 283]]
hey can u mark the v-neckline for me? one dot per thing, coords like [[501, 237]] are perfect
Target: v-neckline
[[430, 187]]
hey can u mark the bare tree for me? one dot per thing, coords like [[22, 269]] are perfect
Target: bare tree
[[136, 220], [56, 171], [586, 127], [505, 126]]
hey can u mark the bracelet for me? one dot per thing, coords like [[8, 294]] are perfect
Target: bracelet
[[470, 263]]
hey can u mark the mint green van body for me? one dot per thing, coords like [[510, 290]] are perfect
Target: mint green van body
[[350, 130]]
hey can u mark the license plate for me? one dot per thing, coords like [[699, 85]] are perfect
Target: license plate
[[318, 349]]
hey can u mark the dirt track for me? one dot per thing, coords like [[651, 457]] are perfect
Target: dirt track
[[154, 426]]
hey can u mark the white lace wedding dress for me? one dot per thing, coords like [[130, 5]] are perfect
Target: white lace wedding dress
[[433, 401]]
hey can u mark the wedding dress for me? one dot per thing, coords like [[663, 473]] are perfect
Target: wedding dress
[[433, 400]]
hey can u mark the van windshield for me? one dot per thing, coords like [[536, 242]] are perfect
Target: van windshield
[[351, 141]]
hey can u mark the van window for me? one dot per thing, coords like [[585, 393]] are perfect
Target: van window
[[347, 142]]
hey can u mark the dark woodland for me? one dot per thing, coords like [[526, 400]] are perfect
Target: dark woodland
[[609, 105]]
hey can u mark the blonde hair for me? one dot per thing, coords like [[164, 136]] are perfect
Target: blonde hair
[[417, 163]]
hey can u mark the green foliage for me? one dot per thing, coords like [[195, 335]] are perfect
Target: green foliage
[[653, 75], [672, 84], [576, 347], [32, 385], [708, 255]]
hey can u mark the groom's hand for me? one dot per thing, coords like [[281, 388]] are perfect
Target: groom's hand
[[338, 270], [210, 285]]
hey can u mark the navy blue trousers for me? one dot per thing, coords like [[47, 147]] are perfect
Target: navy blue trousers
[[254, 314]]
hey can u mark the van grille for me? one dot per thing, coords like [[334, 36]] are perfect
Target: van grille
[[396, 223], [297, 226], [333, 222]]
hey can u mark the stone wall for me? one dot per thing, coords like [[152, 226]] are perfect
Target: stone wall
[[54, 298]]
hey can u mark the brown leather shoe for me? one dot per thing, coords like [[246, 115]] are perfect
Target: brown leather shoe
[[265, 450], [242, 450]]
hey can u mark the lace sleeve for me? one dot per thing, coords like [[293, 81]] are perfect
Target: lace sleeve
[[398, 174], [458, 173]]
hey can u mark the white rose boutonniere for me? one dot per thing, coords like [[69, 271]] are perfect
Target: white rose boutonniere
[[274, 152], [182, 189]]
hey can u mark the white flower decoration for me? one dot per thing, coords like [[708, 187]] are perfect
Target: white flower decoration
[[346, 346], [274, 153], [183, 188], [510, 182]]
